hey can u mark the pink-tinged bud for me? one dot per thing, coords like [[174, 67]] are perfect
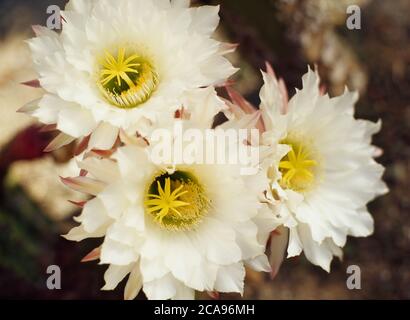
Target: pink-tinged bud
[[82, 146], [48, 128], [269, 69], [29, 107], [84, 185], [227, 83], [100, 153], [277, 244], [285, 96], [93, 255], [32, 83], [61, 140], [79, 204], [378, 152], [322, 90], [282, 88], [213, 295], [37, 29], [226, 47], [240, 101]]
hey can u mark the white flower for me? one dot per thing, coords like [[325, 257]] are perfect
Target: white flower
[[175, 228], [325, 174], [122, 64]]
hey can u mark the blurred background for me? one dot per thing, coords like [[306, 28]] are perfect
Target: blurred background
[[290, 34]]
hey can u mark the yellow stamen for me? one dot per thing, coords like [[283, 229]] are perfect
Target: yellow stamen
[[176, 201], [161, 204], [126, 80], [119, 68], [297, 168]]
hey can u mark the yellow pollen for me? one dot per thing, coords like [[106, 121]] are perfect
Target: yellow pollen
[[126, 80], [297, 168], [176, 201]]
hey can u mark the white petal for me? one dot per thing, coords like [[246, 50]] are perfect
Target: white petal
[[180, 256], [104, 137], [202, 278], [311, 215], [152, 269], [205, 19], [79, 234], [363, 225], [278, 244], [114, 275], [94, 216], [121, 233], [318, 254], [114, 252], [80, 6], [161, 289], [134, 217], [230, 278], [75, 121], [180, 3], [219, 243], [48, 109], [84, 185], [295, 246], [59, 141], [265, 222], [31, 107], [271, 100], [114, 198], [248, 241], [133, 162], [104, 170], [184, 293], [203, 105], [260, 263], [134, 284], [222, 69]]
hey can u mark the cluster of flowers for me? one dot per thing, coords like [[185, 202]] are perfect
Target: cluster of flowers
[[120, 69]]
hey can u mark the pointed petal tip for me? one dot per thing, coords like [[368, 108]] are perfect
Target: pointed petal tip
[[82, 146], [32, 83], [273, 275], [79, 204], [59, 141], [213, 295], [226, 84], [240, 101], [36, 29], [30, 107], [269, 69], [92, 256], [48, 128]]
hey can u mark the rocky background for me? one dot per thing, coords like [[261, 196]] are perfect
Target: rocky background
[[288, 33]]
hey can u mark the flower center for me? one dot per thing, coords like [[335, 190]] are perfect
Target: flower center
[[176, 201], [297, 167], [126, 79]]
